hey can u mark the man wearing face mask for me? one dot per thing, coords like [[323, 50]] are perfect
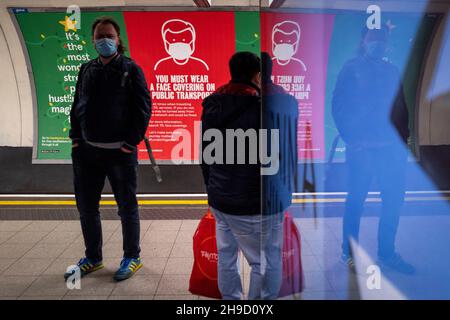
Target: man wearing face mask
[[109, 118], [179, 42], [371, 115]]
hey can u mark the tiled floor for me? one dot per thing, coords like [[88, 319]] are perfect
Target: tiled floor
[[35, 254]]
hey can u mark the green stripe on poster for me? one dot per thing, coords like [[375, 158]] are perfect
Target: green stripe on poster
[[247, 31]]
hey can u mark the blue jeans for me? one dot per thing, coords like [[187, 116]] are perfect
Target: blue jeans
[[260, 239], [91, 165]]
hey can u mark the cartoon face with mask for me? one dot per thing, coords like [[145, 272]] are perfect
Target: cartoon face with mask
[[285, 42], [179, 42]]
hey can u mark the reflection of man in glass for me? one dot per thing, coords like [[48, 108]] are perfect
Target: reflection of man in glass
[[370, 113], [179, 42], [280, 112]]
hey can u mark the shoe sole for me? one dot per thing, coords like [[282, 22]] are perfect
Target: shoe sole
[[388, 268], [130, 274], [351, 268], [345, 264], [83, 273]]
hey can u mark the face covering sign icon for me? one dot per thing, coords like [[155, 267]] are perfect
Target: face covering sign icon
[[285, 42], [179, 42]]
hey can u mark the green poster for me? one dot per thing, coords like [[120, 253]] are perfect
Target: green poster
[[57, 47], [247, 31]]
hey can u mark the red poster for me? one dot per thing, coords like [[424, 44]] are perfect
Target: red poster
[[298, 44], [184, 56]]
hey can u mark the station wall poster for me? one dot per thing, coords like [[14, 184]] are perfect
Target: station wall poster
[[316, 46]]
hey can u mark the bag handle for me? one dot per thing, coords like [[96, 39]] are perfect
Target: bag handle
[[209, 215], [152, 160]]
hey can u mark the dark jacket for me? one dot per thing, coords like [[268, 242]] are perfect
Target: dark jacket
[[112, 103], [280, 112], [233, 188], [369, 106]]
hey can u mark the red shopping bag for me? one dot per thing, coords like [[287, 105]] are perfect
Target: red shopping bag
[[203, 281], [292, 281]]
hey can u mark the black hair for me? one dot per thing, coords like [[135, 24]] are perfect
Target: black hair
[[267, 65], [383, 31], [244, 66], [105, 20]]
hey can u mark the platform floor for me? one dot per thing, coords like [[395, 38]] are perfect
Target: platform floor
[[34, 254]]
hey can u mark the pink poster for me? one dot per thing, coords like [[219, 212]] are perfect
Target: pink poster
[[298, 44]]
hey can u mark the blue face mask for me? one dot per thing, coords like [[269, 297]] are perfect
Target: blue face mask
[[106, 47], [375, 49]]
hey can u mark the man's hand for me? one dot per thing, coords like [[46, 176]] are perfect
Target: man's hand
[[125, 150], [75, 145]]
